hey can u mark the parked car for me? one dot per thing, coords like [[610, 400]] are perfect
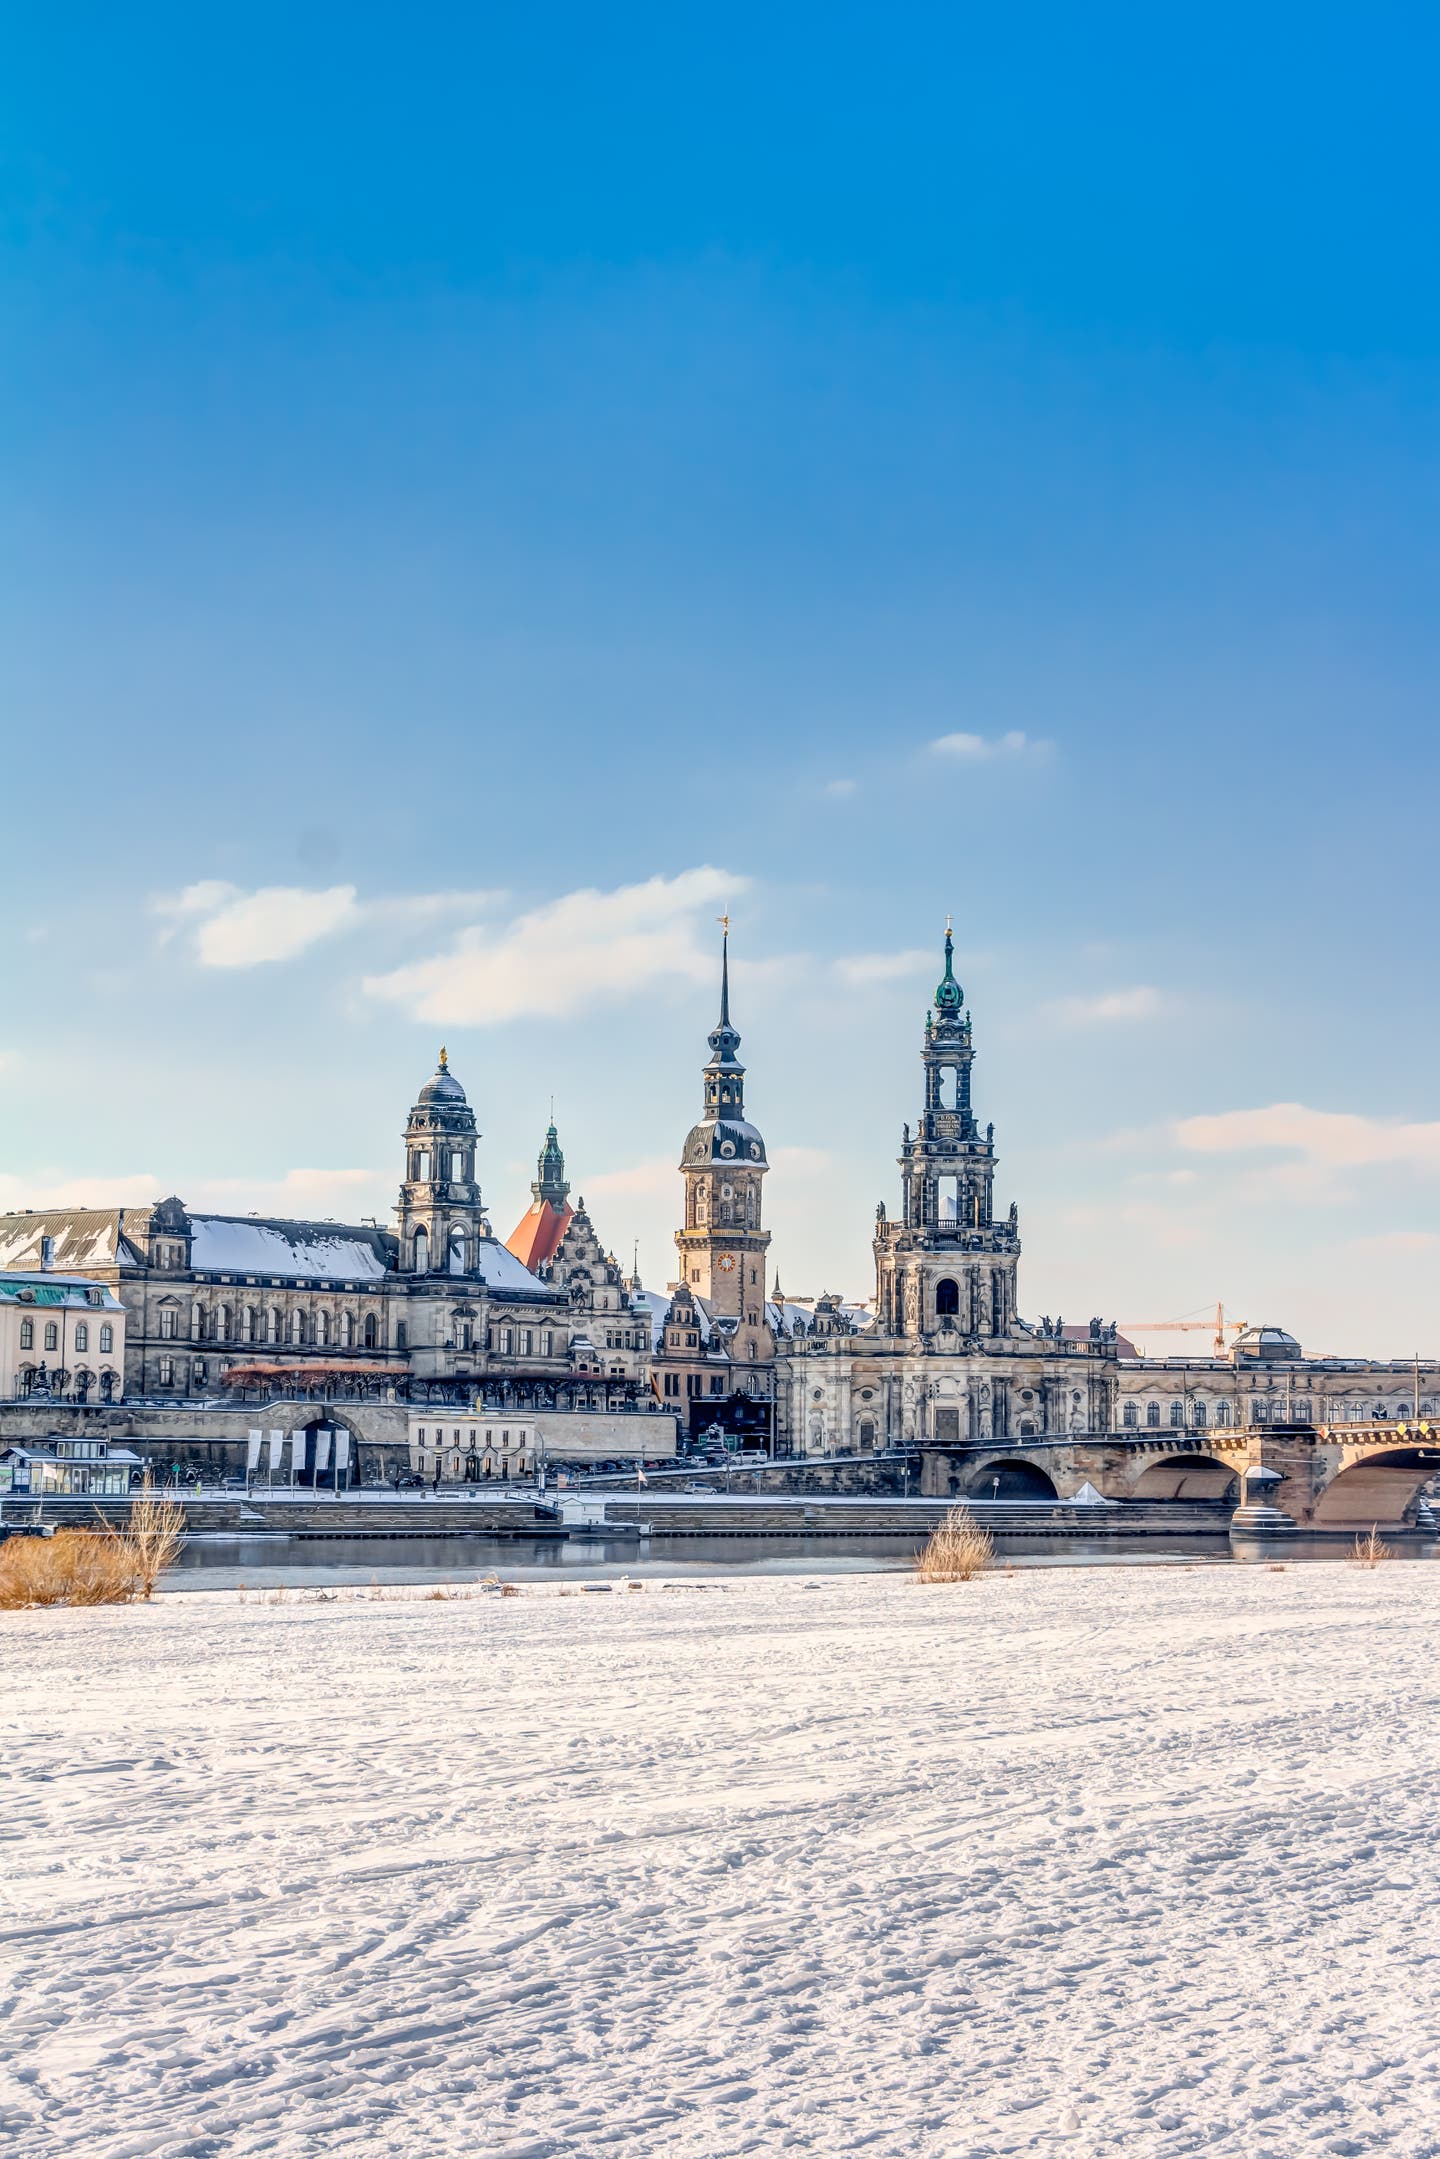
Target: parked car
[[710, 1488], [411, 1483]]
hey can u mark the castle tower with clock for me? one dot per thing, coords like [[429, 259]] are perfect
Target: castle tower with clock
[[723, 1244]]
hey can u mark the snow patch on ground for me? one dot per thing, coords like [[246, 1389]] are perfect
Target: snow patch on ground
[[1089, 1862]]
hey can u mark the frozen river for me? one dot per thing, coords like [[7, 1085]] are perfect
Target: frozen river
[[1111, 1860]]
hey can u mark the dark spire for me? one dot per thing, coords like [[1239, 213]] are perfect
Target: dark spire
[[550, 1183], [723, 1038], [949, 997]]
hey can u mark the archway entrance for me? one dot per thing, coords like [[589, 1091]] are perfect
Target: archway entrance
[[1009, 1480], [1375, 1491], [1187, 1476], [325, 1454]]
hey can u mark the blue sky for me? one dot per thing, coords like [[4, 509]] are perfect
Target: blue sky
[[511, 484]]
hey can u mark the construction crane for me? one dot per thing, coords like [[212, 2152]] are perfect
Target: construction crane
[[1190, 1326]]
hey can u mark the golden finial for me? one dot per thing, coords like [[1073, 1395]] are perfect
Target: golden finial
[[444, 1057], [947, 922], [724, 921]]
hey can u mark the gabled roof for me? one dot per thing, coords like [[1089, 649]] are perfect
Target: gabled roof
[[83, 1236], [536, 1237], [310, 1251]]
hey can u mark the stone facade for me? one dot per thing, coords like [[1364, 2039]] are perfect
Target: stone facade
[[229, 1307], [948, 1356]]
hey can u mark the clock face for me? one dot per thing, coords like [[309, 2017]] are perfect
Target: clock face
[[727, 1262]]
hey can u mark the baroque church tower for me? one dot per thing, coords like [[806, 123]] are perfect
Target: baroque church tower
[[947, 1267], [722, 1246], [440, 1213]]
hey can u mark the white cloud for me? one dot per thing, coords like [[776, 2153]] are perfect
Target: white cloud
[[863, 968], [136, 1190], [338, 1192], [1139, 1003], [839, 787], [1330, 1139], [1014, 746], [581, 949], [661, 1173], [1396, 1241], [235, 928]]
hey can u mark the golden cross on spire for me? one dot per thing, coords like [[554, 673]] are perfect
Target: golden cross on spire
[[444, 1057], [724, 921]]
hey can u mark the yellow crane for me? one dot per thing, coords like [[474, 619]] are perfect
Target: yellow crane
[[1190, 1326]]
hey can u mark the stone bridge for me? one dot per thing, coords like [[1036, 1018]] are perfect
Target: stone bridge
[[1338, 1477]]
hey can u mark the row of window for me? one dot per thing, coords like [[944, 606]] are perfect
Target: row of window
[[79, 1335], [694, 1383], [1268, 1409], [251, 1324]]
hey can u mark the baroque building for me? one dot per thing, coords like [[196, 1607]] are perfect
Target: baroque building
[[948, 1356], [235, 1307], [716, 1338]]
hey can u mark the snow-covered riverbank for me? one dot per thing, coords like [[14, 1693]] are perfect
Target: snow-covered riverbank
[[1134, 1862]]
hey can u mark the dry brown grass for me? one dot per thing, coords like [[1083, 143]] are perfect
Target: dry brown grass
[[957, 1551], [93, 1566], [75, 1566], [1370, 1550], [154, 1535]]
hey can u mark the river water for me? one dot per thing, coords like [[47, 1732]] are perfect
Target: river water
[[214, 1560]]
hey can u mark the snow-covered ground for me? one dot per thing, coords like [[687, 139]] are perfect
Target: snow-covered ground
[[1092, 1861]]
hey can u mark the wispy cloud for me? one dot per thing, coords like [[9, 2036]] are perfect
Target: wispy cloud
[[1109, 1007], [343, 1193], [862, 968], [1014, 746], [1331, 1139], [838, 788], [582, 949], [235, 928]]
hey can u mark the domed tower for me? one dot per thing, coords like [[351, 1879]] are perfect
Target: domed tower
[[722, 1246], [947, 1266], [440, 1210]]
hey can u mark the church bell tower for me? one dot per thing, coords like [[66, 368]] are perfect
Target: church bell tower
[[440, 1213], [947, 1267], [722, 1246]]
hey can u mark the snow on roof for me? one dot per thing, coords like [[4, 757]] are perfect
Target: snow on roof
[[500, 1269], [652, 1304], [57, 1289], [83, 1236], [317, 1251]]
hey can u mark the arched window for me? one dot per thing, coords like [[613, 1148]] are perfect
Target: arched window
[[297, 1326], [222, 1323], [347, 1330], [1200, 1413], [272, 1325], [27, 1334], [82, 1335], [1128, 1417], [1177, 1412], [457, 1251], [107, 1339], [947, 1298], [867, 1431], [1152, 1412], [372, 1331], [52, 1335], [197, 1322], [322, 1330], [421, 1252], [1222, 1412]]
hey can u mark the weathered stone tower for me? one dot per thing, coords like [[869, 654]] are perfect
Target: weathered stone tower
[[440, 1213], [723, 1245], [947, 1267]]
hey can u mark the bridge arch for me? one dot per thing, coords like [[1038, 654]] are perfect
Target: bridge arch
[[1186, 1476], [1375, 1490], [1006, 1476]]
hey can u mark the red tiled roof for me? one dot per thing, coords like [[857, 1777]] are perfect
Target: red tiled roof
[[535, 1238]]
